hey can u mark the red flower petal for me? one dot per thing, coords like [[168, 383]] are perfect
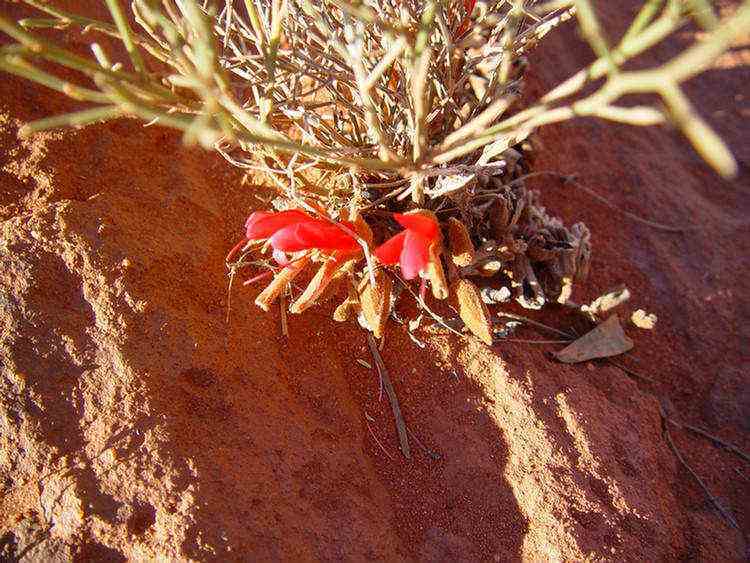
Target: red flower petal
[[390, 251], [329, 236], [263, 224], [281, 258], [312, 234], [415, 255], [425, 226]]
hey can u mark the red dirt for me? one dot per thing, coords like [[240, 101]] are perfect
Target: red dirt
[[137, 423]]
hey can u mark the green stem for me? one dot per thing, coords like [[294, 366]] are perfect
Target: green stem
[[127, 38], [42, 48], [14, 64], [76, 119]]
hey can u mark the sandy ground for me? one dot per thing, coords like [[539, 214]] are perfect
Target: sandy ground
[[137, 423]]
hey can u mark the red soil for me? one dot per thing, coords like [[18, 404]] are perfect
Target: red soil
[[139, 423]]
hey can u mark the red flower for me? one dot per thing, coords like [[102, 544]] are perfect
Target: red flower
[[294, 230], [412, 248]]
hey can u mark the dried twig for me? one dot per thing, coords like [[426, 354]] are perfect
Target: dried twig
[[368, 418], [282, 312], [666, 421], [723, 511], [434, 455], [715, 439], [631, 372], [535, 323], [390, 391]]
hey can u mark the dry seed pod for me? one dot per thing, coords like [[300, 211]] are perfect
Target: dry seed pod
[[362, 228], [459, 241], [280, 281], [436, 275], [472, 310], [581, 232], [350, 305], [375, 301], [320, 282]]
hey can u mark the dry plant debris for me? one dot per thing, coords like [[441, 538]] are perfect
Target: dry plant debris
[[642, 319], [606, 340]]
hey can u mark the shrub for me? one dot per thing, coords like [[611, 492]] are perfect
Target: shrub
[[352, 109]]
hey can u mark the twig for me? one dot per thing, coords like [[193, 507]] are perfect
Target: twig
[[569, 179], [632, 372], [378, 442], [666, 420], [390, 391], [422, 305], [633, 216], [232, 273], [723, 511], [284, 320], [716, 440], [535, 323], [435, 456]]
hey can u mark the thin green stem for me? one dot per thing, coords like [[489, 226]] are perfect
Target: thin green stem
[[76, 119], [124, 28]]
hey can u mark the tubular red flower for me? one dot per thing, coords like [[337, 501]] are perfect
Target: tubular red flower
[[294, 230], [263, 224], [318, 234], [411, 247], [422, 224]]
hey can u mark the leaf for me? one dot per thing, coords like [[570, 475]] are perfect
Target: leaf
[[607, 339]]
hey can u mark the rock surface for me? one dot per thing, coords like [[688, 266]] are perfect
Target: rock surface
[[136, 422]]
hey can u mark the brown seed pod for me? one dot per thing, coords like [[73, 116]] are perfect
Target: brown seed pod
[[472, 310], [266, 297], [323, 277], [375, 301], [461, 248], [349, 306], [436, 275]]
